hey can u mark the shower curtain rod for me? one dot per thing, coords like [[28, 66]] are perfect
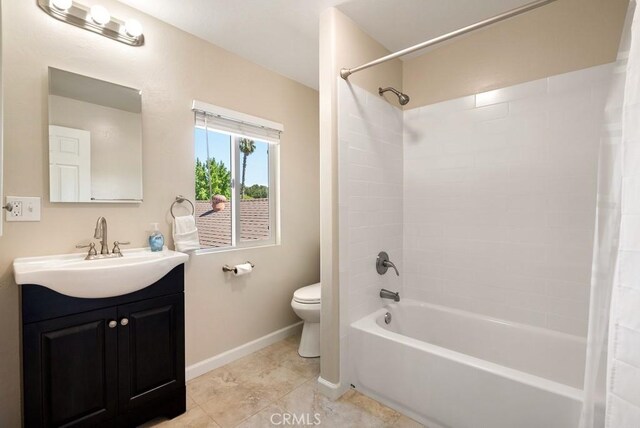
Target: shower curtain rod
[[346, 72]]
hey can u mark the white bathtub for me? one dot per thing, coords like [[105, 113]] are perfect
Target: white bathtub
[[451, 368]]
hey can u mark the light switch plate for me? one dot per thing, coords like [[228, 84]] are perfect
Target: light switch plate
[[25, 208]]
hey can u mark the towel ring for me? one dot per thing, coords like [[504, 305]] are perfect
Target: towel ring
[[179, 200]]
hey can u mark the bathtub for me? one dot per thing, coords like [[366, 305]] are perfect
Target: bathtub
[[450, 368]]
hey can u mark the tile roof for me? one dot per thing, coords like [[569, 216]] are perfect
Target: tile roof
[[214, 228]]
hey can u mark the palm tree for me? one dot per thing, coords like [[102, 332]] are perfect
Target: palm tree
[[247, 147]]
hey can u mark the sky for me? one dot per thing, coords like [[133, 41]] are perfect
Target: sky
[[220, 149]]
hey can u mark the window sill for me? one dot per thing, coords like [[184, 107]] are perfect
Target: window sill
[[206, 251]]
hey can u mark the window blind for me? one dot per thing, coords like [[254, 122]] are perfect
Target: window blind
[[237, 123]]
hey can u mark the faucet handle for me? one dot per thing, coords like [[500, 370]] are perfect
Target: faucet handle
[[383, 264], [116, 247], [390, 264], [92, 249]]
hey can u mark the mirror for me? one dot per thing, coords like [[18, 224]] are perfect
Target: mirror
[[95, 140]]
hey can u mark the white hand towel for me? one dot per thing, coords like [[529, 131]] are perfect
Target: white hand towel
[[184, 224], [185, 233]]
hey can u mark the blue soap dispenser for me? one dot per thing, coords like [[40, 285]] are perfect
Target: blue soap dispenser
[[156, 239]]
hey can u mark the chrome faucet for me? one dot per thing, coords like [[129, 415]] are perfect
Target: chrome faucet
[[101, 234], [383, 264], [386, 294]]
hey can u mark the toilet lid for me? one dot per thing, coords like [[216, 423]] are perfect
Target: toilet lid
[[308, 294]]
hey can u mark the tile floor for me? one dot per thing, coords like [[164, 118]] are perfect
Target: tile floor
[[261, 389]]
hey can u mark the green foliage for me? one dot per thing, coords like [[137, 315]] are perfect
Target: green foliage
[[247, 147], [257, 191], [220, 180]]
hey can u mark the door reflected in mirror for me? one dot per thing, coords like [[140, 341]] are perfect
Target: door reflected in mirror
[[95, 140]]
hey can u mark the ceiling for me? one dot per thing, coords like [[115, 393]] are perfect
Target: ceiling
[[282, 35]]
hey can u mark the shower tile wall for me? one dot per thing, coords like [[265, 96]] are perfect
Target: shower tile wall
[[370, 198], [499, 200]]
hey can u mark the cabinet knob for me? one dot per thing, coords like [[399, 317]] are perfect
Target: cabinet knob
[[113, 324], [124, 321]]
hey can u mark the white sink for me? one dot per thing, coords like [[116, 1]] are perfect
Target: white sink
[[73, 276]]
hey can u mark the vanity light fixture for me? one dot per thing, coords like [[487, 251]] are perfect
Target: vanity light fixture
[[96, 19]]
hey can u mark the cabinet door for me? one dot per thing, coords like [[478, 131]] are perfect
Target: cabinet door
[[151, 350], [70, 370]]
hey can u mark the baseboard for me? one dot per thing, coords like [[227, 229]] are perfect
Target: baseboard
[[205, 366], [332, 391]]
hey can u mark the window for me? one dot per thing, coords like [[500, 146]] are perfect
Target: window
[[236, 171]]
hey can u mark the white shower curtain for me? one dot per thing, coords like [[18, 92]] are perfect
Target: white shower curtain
[[612, 375]]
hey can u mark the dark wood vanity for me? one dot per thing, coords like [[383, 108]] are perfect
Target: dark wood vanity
[[107, 362]]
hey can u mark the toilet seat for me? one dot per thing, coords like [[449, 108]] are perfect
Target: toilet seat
[[307, 295]]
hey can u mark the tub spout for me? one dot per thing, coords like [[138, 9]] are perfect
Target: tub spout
[[386, 294]]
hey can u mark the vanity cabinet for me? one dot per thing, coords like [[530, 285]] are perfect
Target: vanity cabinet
[[112, 362], [71, 370]]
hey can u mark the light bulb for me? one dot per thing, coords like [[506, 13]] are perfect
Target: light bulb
[[61, 5], [133, 28], [100, 15]]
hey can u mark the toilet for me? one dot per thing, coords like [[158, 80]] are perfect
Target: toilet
[[306, 304]]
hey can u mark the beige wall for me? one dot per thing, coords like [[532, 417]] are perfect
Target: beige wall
[[172, 69], [1, 120], [557, 38], [342, 44]]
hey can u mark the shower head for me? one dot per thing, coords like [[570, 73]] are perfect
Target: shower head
[[403, 99]]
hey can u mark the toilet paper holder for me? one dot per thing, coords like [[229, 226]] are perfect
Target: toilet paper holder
[[227, 268]]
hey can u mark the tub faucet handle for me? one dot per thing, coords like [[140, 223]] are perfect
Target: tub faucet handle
[[383, 264], [388, 264]]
